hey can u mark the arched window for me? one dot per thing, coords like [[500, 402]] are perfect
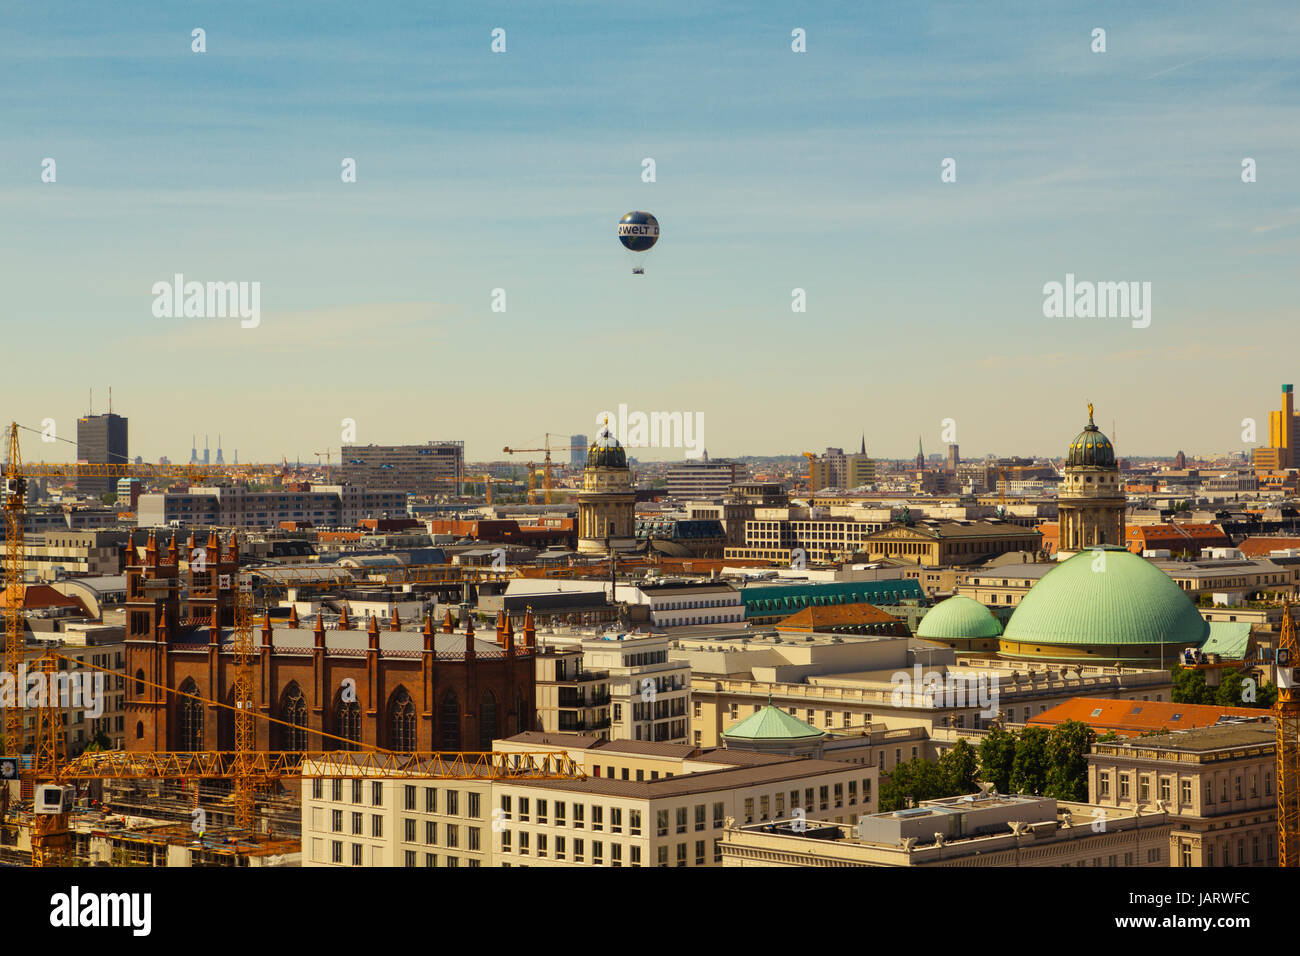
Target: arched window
[[449, 722], [521, 716], [401, 721], [487, 722], [139, 730], [293, 709], [347, 723], [191, 718]]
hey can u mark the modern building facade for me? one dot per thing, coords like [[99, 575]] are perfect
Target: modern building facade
[[338, 506], [101, 439], [436, 467], [704, 479]]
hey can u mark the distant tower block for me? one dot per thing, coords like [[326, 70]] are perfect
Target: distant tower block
[[1092, 501], [220, 460]]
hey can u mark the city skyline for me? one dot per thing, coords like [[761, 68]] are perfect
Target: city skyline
[[479, 171]]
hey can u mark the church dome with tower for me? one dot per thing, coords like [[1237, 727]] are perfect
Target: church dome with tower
[[1091, 502], [606, 503]]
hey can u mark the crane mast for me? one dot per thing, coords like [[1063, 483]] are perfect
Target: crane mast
[[1286, 713]]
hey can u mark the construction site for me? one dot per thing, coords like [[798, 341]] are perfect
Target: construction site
[[198, 673]]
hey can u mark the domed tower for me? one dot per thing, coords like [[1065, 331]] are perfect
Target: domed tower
[[606, 504], [1091, 503]]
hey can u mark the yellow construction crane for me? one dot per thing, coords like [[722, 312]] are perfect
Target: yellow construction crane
[[812, 458], [1286, 715], [547, 447]]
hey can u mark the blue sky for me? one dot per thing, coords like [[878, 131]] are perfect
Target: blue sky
[[776, 170]]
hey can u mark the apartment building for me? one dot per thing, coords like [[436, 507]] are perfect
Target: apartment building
[[674, 820], [1215, 783], [338, 506], [703, 479], [571, 698], [649, 694], [396, 820], [682, 604], [56, 553]]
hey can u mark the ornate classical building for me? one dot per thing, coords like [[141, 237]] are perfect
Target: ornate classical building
[[1091, 503], [606, 504], [380, 684]]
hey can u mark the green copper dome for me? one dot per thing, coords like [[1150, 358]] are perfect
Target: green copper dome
[[772, 723], [1091, 447], [959, 616], [1106, 596]]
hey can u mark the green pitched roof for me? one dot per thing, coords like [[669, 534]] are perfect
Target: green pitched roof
[[785, 599], [959, 616], [772, 723], [1228, 639]]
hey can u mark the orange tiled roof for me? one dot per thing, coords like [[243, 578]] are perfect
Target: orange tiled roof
[[819, 616], [1259, 547], [1129, 718]]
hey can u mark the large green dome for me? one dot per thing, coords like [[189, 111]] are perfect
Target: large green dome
[[1106, 597], [957, 617]]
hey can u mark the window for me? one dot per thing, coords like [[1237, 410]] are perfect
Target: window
[[523, 809], [597, 817], [717, 851], [316, 788], [1166, 786], [541, 844], [559, 813], [699, 852], [431, 800], [430, 833], [1103, 784], [1185, 791], [376, 794], [749, 810], [453, 803], [634, 822], [472, 808], [336, 821], [661, 822], [615, 820], [356, 854], [505, 841], [662, 856], [356, 791], [336, 850], [578, 850], [681, 819], [636, 856], [681, 854], [410, 858], [452, 833], [474, 835], [357, 824], [376, 825], [579, 810], [409, 794], [559, 848], [408, 828], [1123, 786], [336, 789], [597, 852]]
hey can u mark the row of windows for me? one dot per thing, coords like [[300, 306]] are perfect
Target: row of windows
[[1184, 788], [521, 844], [450, 799]]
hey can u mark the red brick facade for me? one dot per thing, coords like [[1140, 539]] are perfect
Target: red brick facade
[[449, 692]]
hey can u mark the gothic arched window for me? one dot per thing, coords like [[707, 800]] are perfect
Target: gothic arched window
[[293, 709], [191, 718], [449, 722], [487, 724], [401, 716]]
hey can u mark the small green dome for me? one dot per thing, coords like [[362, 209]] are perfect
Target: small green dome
[[1106, 596], [1091, 447], [772, 723], [958, 617]]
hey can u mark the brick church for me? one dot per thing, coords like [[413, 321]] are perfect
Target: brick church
[[381, 685]]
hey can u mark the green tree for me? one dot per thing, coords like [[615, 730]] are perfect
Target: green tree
[[108, 497], [1067, 749], [1190, 687], [1030, 768], [1107, 737], [957, 769], [997, 753], [911, 782]]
